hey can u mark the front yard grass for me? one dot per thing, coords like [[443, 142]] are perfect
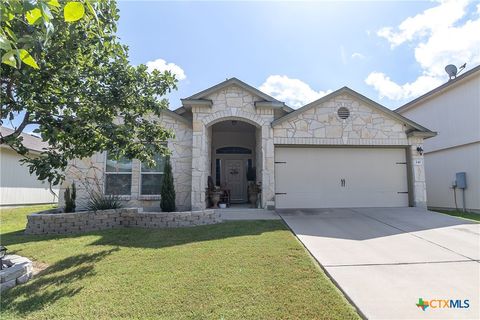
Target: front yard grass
[[234, 270], [461, 214]]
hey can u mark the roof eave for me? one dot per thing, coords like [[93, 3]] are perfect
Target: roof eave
[[438, 89], [177, 116], [269, 104], [188, 103], [421, 134], [33, 151]]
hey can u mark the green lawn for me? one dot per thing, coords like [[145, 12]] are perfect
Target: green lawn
[[234, 270], [461, 214]]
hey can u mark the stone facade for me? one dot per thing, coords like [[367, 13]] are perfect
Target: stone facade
[[19, 270], [231, 103], [366, 126], [71, 223], [320, 124], [416, 162], [317, 124], [90, 172]]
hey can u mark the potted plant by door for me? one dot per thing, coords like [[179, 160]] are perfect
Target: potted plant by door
[[215, 197], [213, 192], [253, 192]]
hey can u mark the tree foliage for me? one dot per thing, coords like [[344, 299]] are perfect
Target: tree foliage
[[167, 193], [85, 97], [19, 44]]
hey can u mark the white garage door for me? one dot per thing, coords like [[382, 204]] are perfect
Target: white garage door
[[340, 177]]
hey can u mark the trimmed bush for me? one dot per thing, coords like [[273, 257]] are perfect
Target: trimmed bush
[[70, 197], [167, 202]]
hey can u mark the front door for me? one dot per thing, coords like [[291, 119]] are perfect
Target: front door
[[235, 180]]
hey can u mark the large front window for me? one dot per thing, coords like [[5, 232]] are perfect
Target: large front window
[[118, 176], [152, 177]]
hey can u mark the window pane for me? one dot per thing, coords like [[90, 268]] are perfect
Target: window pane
[[122, 165], [151, 183], [160, 160], [118, 184]]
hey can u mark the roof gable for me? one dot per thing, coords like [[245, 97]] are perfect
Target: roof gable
[[370, 103], [232, 81]]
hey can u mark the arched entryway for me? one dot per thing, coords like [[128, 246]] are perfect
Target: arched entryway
[[203, 153], [234, 158]]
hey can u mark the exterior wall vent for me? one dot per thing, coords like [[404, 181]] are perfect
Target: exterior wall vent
[[343, 113]]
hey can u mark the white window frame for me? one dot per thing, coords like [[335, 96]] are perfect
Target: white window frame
[[116, 173], [141, 177]]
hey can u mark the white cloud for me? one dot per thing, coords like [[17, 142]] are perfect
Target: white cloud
[[445, 34], [431, 20], [294, 92], [391, 90], [161, 65], [358, 55]]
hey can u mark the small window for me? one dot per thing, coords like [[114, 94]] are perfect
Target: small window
[[152, 177], [118, 176], [343, 113]]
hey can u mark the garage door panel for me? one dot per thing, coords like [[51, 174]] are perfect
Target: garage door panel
[[312, 177]]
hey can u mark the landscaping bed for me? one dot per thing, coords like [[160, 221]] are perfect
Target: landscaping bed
[[233, 270]]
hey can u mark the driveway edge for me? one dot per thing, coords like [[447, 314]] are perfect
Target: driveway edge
[[359, 311]]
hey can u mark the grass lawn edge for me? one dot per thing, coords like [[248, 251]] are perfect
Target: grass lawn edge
[[470, 216], [320, 267]]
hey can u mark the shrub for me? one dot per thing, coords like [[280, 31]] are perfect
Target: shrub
[[70, 197], [100, 201], [167, 202]]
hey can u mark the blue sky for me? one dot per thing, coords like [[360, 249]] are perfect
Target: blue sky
[[299, 51], [388, 51]]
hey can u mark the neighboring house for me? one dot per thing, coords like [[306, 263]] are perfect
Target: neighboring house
[[17, 185], [453, 110], [343, 150]]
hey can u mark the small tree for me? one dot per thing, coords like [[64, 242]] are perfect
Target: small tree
[[78, 90], [70, 197], [167, 203]]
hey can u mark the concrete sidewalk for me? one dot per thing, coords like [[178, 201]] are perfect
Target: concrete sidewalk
[[247, 214], [385, 259]]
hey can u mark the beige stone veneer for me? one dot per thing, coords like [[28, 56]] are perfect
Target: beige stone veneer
[[315, 125]]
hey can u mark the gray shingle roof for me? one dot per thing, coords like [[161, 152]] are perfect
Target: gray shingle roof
[[30, 142]]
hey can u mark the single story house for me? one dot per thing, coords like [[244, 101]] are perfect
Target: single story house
[[343, 150], [453, 110], [17, 186]]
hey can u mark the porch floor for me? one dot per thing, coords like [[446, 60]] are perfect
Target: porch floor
[[244, 212]]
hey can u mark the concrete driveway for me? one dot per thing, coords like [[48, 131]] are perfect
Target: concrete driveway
[[385, 259]]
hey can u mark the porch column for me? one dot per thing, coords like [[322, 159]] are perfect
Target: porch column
[[199, 164], [417, 173], [268, 165]]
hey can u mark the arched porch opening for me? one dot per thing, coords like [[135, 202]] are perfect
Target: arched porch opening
[[235, 157]]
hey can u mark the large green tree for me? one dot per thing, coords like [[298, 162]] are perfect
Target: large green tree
[[82, 92]]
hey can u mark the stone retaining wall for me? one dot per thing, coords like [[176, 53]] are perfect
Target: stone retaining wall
[[19, 271], [79, 222]]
